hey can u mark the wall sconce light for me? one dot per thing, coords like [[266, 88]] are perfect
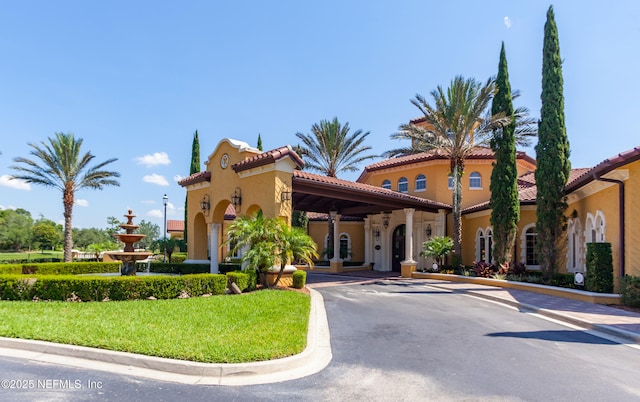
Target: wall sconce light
[[236, 198], [428, 231], [376, 233], [385, 220], [285, 195], [205, 205]]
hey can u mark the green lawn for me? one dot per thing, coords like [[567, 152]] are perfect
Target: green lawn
[[256, 326], [9, 257]]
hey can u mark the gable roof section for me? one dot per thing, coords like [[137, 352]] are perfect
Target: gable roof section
[[267, 158], [603, 168]]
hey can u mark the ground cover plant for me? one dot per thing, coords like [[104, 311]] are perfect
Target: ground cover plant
[[256, 326]]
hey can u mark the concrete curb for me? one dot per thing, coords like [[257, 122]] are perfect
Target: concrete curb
[[620, 333], [314, 358]]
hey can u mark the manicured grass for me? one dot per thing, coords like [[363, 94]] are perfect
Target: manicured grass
[[256, 326], [9, 257]]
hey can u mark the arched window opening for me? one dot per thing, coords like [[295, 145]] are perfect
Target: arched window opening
[[345, 246], [386, 184], [475, 180], [531, 239], [421, 182], [403, 185]]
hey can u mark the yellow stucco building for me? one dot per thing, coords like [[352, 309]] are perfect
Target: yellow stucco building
[[382, 218]]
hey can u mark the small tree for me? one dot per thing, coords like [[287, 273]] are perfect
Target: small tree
[[439, 247], [599, 268]]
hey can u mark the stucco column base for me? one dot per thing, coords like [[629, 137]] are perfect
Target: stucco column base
[[407, 268], [335, 266]]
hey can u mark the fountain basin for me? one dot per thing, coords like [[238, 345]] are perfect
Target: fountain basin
[[128, 259]]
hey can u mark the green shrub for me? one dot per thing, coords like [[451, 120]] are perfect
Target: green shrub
[[179, 268], [15, 287], [630, 290], [178, 258], [299, 278], [70, 268], [98, 288], [599, 276], [253, 279], [225, 267], [241, 279], [10, 269]]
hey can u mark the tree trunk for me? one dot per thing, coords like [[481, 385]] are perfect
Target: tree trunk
[[67, 201], [457, 211]]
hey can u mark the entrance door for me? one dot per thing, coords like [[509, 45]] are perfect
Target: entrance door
[[397, 249]]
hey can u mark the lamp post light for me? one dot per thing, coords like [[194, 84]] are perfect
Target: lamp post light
[[165, 199]]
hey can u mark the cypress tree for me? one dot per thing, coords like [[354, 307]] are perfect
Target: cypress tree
[[504, 202], [259, 142], [552, 153], [194, 168]]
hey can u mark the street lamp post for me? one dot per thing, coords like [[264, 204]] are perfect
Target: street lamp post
[[165, 199]]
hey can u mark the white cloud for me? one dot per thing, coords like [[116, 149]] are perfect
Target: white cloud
[[82, 203], [158, 158], [6, 181], [148, 202], [155, 213], [177, 178], [507, 22], [155, 179]]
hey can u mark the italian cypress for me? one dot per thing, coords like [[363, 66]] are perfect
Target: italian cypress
[[259, 142], [552, 153], [194, 168], [504, 202]]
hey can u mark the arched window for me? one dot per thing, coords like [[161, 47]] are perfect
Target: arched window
[[528, 247], [421, 183], [601, 227], [475, 180], [481, 245], [403, 185], [450, 182], [489, 241], [595, 228], [386, 184], [574, 246], [345, 246]]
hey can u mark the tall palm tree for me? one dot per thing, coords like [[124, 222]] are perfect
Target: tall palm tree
[[330, 149], [60, 165], [456, 123]]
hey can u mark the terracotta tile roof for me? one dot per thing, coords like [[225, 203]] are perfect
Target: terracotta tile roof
[[267, 158], [195, 178], [365, 188], [437, 154], [602, 168], [175, 226], [527, 189], [319, 216]]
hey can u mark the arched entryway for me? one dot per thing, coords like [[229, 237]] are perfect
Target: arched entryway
[[397, 247]]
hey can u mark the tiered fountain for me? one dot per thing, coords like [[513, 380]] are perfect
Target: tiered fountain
[[129, 256]]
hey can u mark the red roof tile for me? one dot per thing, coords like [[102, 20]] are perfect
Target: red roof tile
[[195, 178], [175, 226], [268, 157]]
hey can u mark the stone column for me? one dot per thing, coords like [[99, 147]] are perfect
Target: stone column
[[367, 241], [336, 239], [408, 265], [214, 229]]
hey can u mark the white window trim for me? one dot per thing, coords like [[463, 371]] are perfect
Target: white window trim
[[348, 257], [523, 247], [479, 235], [574, 227], [479, 177]]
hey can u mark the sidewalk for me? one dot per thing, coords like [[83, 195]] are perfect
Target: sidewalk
[[611, 320]]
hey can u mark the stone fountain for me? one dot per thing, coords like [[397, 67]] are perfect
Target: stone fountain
[[129, 256]]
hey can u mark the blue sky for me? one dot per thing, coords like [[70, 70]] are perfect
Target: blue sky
[[135, 79]]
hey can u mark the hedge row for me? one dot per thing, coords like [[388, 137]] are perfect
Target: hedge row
[[60, 268], [94, 288], [176, 268]]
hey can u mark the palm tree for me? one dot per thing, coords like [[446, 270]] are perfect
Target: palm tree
[[270, 241], [59, 164], [455, 124], [330, 149]]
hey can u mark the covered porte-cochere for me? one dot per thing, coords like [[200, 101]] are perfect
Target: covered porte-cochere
[[241, 180]]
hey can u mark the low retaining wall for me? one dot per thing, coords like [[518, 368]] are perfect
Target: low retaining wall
[[573, 294]]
